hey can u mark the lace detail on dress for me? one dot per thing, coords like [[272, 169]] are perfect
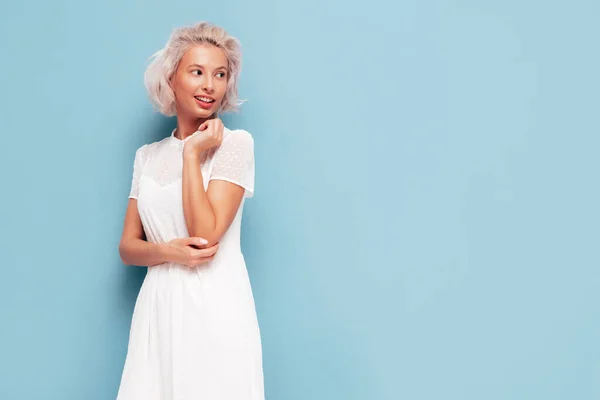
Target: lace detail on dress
[[162, 162], [165, 166], [233, 161]]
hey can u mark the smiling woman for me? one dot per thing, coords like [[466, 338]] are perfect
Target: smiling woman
[[200, 63], [166, 62], [208, 54], [194, 332]]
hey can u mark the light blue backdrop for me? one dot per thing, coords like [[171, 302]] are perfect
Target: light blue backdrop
[[425, 224]]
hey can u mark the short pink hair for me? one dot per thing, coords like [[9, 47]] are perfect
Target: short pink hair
[[165, 62]]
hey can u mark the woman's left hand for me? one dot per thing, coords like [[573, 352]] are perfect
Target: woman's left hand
[[209, 135]]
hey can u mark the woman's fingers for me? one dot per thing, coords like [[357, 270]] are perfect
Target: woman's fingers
[[203, 126], [209, 251], [204, 255], [198, 241]]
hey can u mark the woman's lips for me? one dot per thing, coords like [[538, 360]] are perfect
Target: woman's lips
[[204, 104]]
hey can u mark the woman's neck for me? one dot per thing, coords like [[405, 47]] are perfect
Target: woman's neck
[[187, 127]]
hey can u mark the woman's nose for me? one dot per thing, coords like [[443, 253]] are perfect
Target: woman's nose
[[208, 85]]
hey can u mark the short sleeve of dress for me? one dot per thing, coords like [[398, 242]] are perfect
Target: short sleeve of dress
[[234, 161], [137, 171]]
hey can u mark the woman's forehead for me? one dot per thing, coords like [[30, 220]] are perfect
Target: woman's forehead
[[205, 56]]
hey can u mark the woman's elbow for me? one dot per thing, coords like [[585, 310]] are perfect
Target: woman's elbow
[[212, 238], [123, 252]]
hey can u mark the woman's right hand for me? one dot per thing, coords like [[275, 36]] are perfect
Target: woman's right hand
[[188, 251]]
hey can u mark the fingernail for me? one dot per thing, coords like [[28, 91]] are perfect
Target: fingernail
[[203, 241]]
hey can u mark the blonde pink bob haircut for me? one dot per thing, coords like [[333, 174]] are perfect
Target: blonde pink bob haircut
[[164, 63]]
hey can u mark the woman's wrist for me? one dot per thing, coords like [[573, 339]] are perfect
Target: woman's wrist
[[192, 152], [164, 250]]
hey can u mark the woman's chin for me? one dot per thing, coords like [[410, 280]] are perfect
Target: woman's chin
[[204, 112], [201, 113]]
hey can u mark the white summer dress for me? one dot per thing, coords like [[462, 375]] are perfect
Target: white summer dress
[[194, 333]]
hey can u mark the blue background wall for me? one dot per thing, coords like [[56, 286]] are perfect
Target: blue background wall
[[425, 224]]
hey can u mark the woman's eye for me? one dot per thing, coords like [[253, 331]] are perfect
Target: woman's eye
[[197, 70], [222, 74]]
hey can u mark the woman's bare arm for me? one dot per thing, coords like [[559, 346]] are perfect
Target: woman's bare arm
[[133, 247], [208, 214]]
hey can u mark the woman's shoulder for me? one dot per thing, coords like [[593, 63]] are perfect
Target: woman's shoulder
[[144, 151], [238, 136], [147, 147], [236, 143]]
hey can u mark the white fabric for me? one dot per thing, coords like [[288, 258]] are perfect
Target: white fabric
[[194, 332]]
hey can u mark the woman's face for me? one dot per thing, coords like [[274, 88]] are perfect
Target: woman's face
[[200, 81]]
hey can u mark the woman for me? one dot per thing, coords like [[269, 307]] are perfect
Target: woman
[[194, 332]]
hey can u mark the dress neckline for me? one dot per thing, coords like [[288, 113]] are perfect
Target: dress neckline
[[180, 140], [176, 142]]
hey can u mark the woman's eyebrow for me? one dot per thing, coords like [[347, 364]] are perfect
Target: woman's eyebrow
[[202, 66]]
